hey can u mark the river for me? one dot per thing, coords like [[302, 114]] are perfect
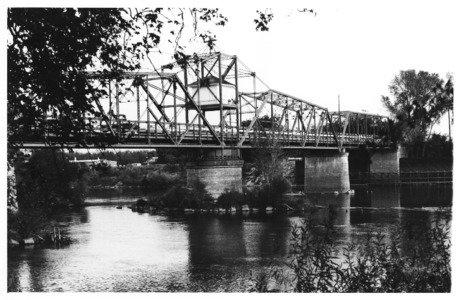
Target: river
[[120, 250]]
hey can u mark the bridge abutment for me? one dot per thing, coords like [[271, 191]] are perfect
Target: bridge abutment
[[326, 173], [219, 170]]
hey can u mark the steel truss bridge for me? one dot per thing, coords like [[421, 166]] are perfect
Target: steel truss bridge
[[215, 101]]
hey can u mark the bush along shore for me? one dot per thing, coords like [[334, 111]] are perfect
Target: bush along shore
[[171, 194], [47, 236], [395, 261]]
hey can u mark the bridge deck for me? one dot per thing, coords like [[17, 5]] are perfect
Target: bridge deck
[[152, 135]]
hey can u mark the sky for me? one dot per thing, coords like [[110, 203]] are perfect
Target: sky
[[349, 48]]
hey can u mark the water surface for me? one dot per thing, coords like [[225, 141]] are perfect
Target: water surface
[[120, 250]]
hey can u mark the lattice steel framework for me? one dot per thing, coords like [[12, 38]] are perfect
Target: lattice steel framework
[[214, 100]]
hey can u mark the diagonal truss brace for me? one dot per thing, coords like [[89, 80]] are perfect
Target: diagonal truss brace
[[251, 125], [158, 106], [198, 110], [165, 131]]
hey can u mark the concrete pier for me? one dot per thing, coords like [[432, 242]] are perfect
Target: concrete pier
[[219, 170], [326, 173], [386, 162]]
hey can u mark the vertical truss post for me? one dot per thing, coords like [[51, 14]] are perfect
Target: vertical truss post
[[254, 87], [287, 116], [315, 124], [117, 98], [240, 108], [237, 99], [301, 123], [357, 129], [328, 116], [220, 98], [365, 125], [271, 108], [110, 100], [117, 105], [311, 113], [148, 117], [138, 110], [344, 130], [319, 129], [282, 124], [373, 126], [175, 106], [300, 116], [186, 91], [198, 81], [293, 127]]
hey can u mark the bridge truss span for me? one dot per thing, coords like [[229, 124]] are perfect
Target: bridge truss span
[[214, 100]]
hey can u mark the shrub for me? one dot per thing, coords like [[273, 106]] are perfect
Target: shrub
[[174, 197], [376, 265], [198, 195], [278, 186], [103, 169], [270, 194], [313, 257], [250, 198], [179, 197], [156, 183], [230, 198]]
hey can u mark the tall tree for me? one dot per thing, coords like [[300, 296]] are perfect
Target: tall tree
[[418, 100]]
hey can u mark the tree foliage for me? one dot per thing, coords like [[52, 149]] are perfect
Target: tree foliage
[[50, 49], [265, 17], [418, 100], [47, 182]]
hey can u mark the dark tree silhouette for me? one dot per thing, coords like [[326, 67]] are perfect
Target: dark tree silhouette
[[419, 100]]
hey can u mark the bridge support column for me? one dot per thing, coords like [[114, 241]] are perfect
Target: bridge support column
[[219, 170], [385, 163], [326, 173]]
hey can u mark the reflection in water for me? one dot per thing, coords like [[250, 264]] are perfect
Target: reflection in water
[[426, 195], [24, 279], [215, 240], [385, 196], [118, 250], [409, 195]]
